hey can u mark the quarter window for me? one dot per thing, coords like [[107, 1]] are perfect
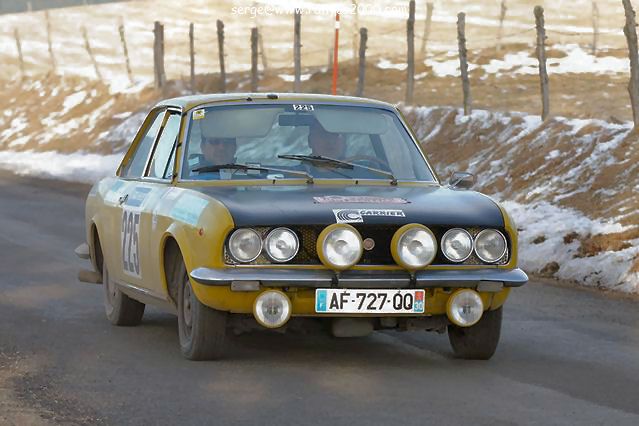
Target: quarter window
[[136, 165], [164, 154]]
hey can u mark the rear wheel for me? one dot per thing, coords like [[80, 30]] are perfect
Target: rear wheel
[[202, 330], [478, 341], [120, 309]]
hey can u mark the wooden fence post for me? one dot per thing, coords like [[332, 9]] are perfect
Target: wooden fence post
[[630, 30], [260, 40], [254, 36], [16, 34], [363, 38], [463, 61], [427, 25], [410, 54], [49, 42], [356, 29], [297, 51], [220, 49], [158, 55], [192, 54], [595, 27], [87, 46], [125, 51], [541, 57], [502, 17]]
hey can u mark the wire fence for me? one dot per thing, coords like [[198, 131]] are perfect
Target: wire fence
[[137, 47]]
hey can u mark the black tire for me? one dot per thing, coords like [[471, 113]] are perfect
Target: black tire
[[202, 330], [478, 341], [120, 309]]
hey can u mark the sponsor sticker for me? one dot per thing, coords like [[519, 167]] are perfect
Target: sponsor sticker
[[358, 215], [117, 190], [199, 114], [138, 196], [188, 209], [330, 199]]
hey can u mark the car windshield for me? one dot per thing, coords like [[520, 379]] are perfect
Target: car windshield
[[287, 141]]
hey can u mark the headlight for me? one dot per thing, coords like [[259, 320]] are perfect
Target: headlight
[[339, 246], [245, 245], [490, 245], [281, 244], [465, 308], [413, 246], [272, 309], [457, 245]]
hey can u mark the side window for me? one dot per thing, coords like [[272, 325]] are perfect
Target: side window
[[135, 168], [164, 154]]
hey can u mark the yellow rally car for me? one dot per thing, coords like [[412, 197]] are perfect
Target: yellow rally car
[[275, 206]]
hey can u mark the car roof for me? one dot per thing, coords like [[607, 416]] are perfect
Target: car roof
[[188, 102]]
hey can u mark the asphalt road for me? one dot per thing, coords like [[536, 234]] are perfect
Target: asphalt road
[[567, 356]]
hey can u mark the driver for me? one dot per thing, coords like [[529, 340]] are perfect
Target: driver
[[324, 143], [218, 151]]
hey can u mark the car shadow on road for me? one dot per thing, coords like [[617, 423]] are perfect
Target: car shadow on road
[[313, 344]]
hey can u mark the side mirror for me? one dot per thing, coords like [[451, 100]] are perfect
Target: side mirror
[[462, 180]]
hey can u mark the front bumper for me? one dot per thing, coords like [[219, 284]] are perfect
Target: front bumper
[[310, 278]]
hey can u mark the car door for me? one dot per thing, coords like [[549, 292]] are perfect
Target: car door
[[126, 200], [129, 199]]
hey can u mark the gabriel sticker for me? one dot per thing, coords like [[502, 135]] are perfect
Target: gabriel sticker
[[357, 215], [198, 114], [363, 199]]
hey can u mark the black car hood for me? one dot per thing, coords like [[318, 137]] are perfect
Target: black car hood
[[322, 205]]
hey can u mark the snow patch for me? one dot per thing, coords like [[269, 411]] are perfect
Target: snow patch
[[75, 167]]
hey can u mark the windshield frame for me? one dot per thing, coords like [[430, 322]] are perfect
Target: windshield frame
[[187, 133]]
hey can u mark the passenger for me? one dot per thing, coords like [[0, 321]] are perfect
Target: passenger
[[325, 143]]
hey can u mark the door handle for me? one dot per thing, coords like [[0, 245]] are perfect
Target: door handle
[[123, 199]]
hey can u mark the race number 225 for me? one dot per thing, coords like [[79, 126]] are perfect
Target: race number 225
[[131, 243]]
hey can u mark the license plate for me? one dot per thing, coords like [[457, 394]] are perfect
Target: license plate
[[349, 301]]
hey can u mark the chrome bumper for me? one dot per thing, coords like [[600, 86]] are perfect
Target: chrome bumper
[[281, 277]]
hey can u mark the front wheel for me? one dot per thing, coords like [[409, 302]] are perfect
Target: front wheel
[[120, 309], [202, 330], [478, 341]]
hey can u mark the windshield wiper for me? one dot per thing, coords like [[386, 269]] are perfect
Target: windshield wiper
[[237, 166], [337, 163]]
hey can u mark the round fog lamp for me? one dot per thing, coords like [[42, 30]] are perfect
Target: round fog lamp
[[272, 309], [413, 246], [464, 308], [281, 244], [339, 246], [245, 245], [457, 245]]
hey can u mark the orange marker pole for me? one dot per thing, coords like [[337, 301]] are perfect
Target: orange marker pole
[[335, 52]]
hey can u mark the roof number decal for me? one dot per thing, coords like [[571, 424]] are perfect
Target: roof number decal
[[303, 107]]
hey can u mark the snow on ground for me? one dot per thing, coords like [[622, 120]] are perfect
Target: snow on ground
[[575, 60], [75, 167], [542, 231], [571, 186]]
